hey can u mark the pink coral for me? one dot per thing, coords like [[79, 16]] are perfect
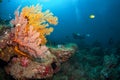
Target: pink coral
[[24, 61], [27, 39], [33, 70], [24, 46]]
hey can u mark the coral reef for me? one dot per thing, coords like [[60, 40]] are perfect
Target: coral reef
[[23, 45], [88, 64], [64, 52], [33, 16], [32, 21], [24, 68], [4, 36]]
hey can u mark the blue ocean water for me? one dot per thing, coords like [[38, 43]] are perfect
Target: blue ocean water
[[74, 17], [94, 25]]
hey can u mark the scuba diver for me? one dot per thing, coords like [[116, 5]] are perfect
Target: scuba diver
[[79, 36]]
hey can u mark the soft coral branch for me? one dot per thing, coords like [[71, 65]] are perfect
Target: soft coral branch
[[27, 38]]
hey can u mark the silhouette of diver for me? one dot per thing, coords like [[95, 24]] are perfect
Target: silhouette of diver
[[79, 36]]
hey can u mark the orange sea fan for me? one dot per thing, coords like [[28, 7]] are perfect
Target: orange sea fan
[[40, 20], [30, 29]]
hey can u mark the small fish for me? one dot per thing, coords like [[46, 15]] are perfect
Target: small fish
[[92, 16]]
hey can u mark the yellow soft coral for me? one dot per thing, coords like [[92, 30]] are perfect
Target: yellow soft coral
[[39, 20]]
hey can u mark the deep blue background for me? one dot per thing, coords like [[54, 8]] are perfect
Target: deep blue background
[[74, 18]]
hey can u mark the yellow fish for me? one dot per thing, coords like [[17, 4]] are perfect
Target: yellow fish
[[92, 16]]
